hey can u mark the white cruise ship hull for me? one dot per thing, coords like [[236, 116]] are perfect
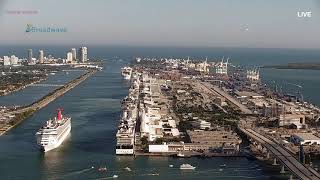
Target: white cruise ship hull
[[55, 142]]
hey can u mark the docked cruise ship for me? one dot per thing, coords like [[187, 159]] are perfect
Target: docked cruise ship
[[126, 128], [54, 132], [126, 72]]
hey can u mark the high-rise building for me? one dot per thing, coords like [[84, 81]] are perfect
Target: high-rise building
[[83, 52], [69, 57], [30, 56], [74, 54], [6, 61], [14, 60], [41, 56]]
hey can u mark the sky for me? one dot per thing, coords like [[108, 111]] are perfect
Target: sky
[[185, 23]]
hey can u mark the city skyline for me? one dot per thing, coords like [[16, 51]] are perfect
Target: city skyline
[[206, 23]]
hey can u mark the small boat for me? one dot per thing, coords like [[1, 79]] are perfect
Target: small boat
[[154, 174], [102, 169], [180, 154], [171, 165], [223, 165], [187, 166], [115, 176], [127, 169]]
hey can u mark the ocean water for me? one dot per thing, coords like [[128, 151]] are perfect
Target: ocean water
[[94, 106]]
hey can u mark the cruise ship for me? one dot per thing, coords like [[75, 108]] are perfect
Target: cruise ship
[[126, 72], [126, 128], [54, 132]]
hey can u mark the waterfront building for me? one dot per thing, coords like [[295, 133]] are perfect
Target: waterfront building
[[50, 58], [305, 139], [41, 56], [203, 67], [201, 124], [14, 60], [222, 67], [176, 147], [6, 61], [253, 75], [30, 57], [83, 53], [292, 119], [69, 57], [74, 54]]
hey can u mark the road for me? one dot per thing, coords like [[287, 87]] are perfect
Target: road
[[222, 93], [297, 168]]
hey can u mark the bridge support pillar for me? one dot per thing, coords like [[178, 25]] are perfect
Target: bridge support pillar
[[291, 177], [275, 162], [268, 155], [282, 170]]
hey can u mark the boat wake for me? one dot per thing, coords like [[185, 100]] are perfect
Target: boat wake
[[111, 177], [78, 172]]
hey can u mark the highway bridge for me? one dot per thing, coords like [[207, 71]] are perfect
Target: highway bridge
[[280, 153]]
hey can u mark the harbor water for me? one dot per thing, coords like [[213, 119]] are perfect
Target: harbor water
[[94, 106], [31, 94]]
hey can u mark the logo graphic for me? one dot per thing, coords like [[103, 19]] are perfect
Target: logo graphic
[[33, 29], [29, 27]]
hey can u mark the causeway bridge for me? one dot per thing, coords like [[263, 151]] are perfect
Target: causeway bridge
[[288, 160]]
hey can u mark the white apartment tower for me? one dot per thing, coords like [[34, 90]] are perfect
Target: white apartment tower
[[83, 53], [69, 57], [74, 54], [41, 56], [6, 61], [14, 60]]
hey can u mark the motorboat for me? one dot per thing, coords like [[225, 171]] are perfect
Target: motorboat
[[187, 167]]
